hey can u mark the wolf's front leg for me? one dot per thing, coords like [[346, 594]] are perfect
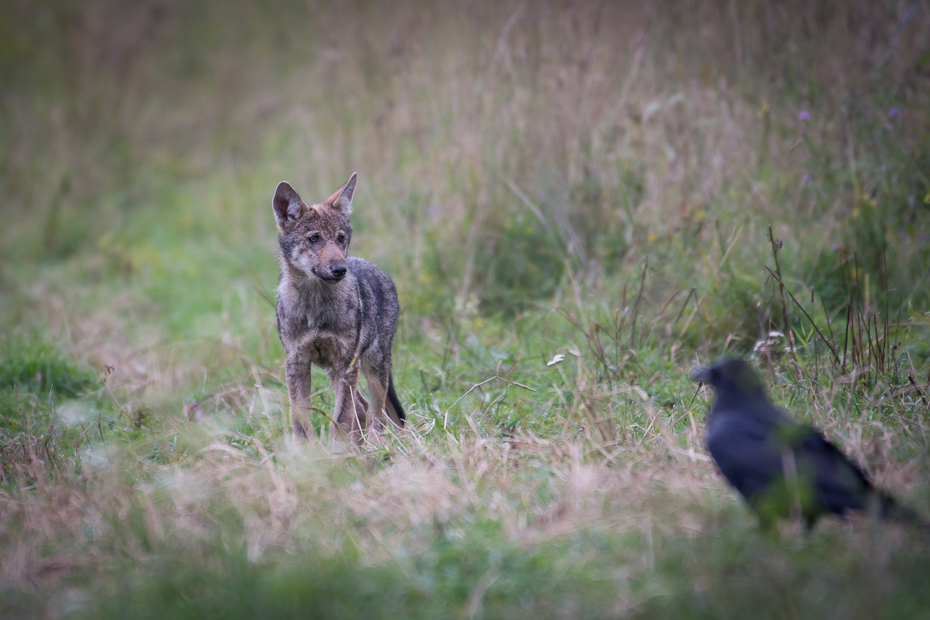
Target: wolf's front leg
[[350, 416], [297, 375]]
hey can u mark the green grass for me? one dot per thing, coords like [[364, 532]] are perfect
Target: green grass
[[484, 571], [39, 368], [630, 190]]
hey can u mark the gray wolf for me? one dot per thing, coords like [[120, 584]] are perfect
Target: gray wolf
[[779, 466], [334, 311]]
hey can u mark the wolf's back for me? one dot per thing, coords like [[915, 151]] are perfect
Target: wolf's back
[[378, 296]]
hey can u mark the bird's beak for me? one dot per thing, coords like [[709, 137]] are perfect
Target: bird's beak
[[701, 374]]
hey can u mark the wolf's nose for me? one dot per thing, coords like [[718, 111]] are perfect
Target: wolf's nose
[[338, 271]]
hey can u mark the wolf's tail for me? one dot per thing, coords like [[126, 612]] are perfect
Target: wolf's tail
[[395, 402]]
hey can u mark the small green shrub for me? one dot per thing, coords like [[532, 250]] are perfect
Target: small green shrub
[[522, 263]]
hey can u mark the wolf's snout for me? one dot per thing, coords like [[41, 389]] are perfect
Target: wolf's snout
[[338, 270]]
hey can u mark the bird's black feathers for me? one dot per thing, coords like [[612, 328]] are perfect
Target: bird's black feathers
[[778, 465]]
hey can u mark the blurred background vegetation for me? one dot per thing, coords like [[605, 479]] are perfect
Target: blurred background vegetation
[[503, 147], [637, 186]]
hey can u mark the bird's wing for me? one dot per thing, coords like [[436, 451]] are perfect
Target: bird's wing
[[840, 484], [742, 448]]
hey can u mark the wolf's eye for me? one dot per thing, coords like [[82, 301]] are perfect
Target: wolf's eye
[[340, 237], [313, 238]]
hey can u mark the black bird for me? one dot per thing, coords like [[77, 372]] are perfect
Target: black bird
[[781, 467]]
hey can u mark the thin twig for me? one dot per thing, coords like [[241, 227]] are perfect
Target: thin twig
[[836, 356], [257, 286], [908, 16], [477, 385], [639, 297], [784, 306], [826, 315]]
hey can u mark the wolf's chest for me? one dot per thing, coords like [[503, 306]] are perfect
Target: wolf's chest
[[326, 350], [319, 323], [327, 343]]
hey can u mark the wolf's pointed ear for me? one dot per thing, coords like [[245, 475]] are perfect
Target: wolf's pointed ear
[[287, 204], [342, 199]]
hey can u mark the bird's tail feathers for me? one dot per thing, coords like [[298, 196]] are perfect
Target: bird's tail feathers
[[889, 508]]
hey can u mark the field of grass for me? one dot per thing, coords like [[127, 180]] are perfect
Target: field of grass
[[579, 202]]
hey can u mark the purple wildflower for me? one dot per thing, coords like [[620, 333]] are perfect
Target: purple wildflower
[[894, 112], [804, 115]]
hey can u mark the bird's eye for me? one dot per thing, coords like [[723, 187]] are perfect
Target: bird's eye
[[340, 238], [313, 238]]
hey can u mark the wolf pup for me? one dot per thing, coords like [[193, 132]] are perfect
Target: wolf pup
[[335, 311]]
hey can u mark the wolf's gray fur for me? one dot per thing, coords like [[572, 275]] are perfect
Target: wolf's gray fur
[[334, 311]]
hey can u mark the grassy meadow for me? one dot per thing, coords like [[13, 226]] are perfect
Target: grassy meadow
[[579, 203]]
